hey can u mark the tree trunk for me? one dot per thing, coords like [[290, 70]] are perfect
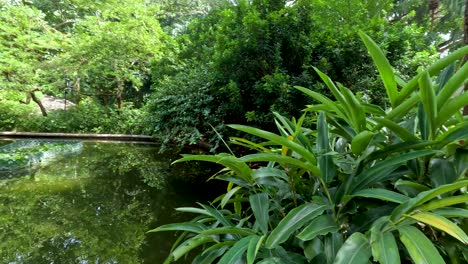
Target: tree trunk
[[120, 88], [39, 103], [78, 91], [465, 42], [31, 95]]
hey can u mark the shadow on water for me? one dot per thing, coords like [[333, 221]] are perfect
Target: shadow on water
[[96, 207]]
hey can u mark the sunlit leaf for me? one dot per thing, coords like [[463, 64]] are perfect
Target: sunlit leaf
[[419, 246], [441, 223]]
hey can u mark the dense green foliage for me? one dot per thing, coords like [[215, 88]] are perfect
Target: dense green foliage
[[363, 183], [139, 62], [252, 54]]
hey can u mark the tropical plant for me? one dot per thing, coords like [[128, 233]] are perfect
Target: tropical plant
[[363, 183]]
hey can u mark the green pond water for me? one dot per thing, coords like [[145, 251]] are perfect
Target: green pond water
[[94, 207]]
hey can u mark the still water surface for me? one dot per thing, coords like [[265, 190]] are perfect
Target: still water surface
[[94, 207]]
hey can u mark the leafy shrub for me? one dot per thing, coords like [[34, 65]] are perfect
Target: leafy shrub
[[183, 109], [87, 117], [364, 183]]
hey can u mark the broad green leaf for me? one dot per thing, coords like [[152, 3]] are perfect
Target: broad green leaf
[[383, 243], [373, 109], [356, 249], [403, 109], [334, 90], [356, 111], [260, 205], [329, 104], [209, 256], [270, 172], [443, 78], [385, 249], [360, 142], [254, 246], [325, 162], [426, 196], [285, 161], [410, 188], [193, 210], [381, 170], [442, 224], [331, 245], [321, 225], [396, 128], [305, 153], [313, 248], [423, 123], [382, 194], [293, 221], [444, 202], [419, 246], [235, 254], [190, 244], [384, 67], [241, 169], [450, 108], [217, 215], [442, 172], [452, 85], [190, 227], [228, 195], [452, 212], [233, 230], [428, 100]]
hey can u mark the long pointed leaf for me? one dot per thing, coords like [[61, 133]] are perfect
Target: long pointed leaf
[[294, 220], [452, 85], [305, 153], [384, 67], [426, 196], [260, 207], [428, 99], [325, 162], [190, 227], [321, 225], [397, 129], [235, 254], [288, 161], [420, 248], [253, 248], [384, 246], [241, 169], [329, 104], [355, 250], [382, 170], [433, 70], [190, 244], [382, 194], [442, 224], [450, 108]]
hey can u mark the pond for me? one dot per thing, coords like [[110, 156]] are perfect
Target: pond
[[95, 207]]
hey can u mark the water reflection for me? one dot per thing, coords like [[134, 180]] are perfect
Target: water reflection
[[91, 208]]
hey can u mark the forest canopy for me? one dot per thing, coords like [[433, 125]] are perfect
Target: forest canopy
[[181, 70]]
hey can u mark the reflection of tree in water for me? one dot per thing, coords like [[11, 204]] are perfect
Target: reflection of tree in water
[[93, 208]]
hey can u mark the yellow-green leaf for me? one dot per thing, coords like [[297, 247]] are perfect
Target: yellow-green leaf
[[441, 223]]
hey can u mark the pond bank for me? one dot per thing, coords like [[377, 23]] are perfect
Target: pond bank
[[143, 139]]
